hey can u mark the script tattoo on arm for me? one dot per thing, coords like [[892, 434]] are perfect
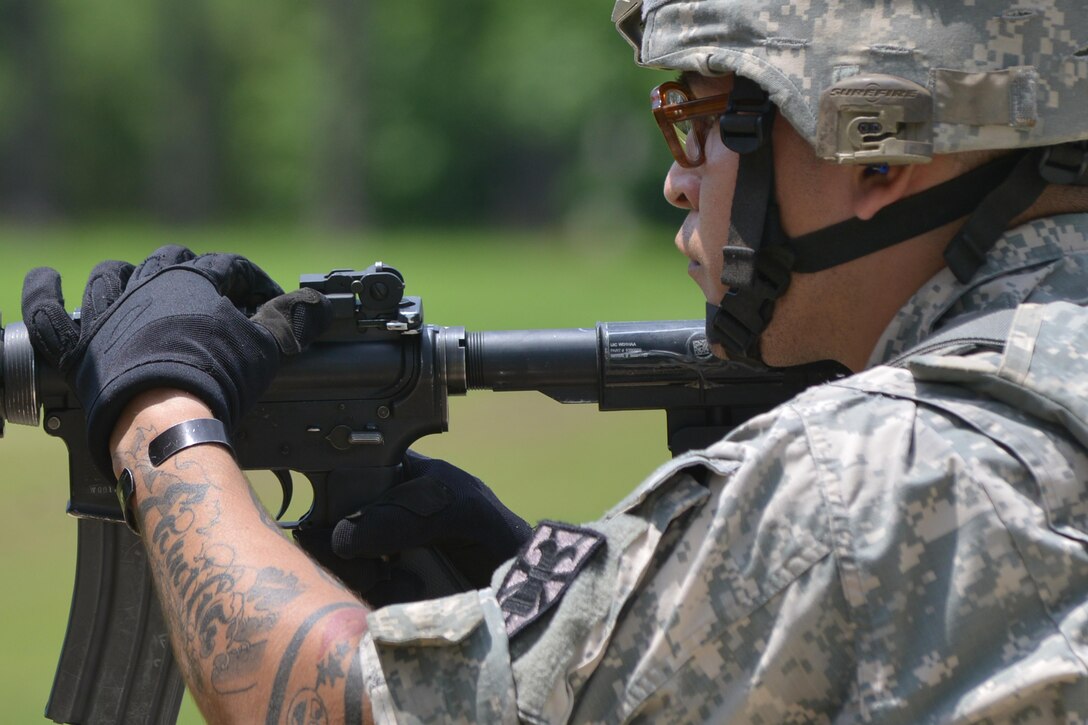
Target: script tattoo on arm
[[252, 618], [221, 609]]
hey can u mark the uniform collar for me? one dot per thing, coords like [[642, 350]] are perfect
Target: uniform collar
[[1019, 266]]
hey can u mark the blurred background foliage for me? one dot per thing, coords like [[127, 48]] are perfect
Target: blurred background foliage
[[341, 113]]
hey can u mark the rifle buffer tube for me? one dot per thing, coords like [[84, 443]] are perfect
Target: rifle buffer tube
[[530, 359]]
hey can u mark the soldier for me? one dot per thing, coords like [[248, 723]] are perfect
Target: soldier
[[898, 186]]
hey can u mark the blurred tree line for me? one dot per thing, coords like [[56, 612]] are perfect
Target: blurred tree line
[[340, 112]]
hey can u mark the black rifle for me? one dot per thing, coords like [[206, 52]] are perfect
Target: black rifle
[[345, 412]]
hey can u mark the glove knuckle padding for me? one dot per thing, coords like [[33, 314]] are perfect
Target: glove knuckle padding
[[56, 334], [52, 332], [163, 257], [105, 286], [238, 279], [295, 320]]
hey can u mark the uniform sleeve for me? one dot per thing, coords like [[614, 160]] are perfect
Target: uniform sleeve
[[440, 661], [450, 660], [740, 617], [714, 576]]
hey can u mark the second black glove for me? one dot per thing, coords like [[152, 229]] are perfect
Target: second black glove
[[438, 507]]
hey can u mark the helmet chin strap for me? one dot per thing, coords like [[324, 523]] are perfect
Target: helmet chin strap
[[759, 258], [757, 273]]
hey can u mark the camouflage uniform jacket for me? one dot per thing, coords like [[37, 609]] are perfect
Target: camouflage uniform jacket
[[903, 546]]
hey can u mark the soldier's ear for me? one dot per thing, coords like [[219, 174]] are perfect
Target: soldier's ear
[[879, 185]]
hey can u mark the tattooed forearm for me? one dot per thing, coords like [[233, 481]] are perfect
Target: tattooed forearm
[[279, 685], [259, 630], [222, 611], [337, 659]]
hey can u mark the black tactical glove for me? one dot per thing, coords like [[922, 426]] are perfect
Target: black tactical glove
[[172, 322], [437, 507]]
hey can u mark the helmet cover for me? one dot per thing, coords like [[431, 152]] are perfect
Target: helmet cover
[[895, 81]]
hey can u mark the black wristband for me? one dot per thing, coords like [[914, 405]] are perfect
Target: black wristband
[[183, 435]]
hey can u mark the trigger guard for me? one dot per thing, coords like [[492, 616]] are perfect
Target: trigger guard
[[287, 488]]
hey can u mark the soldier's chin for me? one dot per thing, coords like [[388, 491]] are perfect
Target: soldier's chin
[[719, 351]]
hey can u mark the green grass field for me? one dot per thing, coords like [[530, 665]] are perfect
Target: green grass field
[[543, 459]]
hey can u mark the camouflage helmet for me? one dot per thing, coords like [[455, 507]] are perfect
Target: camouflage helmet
[[894, 81], [877, 82]]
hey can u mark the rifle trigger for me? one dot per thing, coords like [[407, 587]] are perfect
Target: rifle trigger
[[286, 488]]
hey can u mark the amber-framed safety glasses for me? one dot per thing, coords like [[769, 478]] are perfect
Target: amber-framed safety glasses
[[685, 120]]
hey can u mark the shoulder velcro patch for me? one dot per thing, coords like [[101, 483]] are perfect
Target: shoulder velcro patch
[[543, 570]]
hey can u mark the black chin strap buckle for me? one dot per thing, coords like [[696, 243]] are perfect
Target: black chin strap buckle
[[1065, 164], [746, 124], [745, 311], [738, 267]]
